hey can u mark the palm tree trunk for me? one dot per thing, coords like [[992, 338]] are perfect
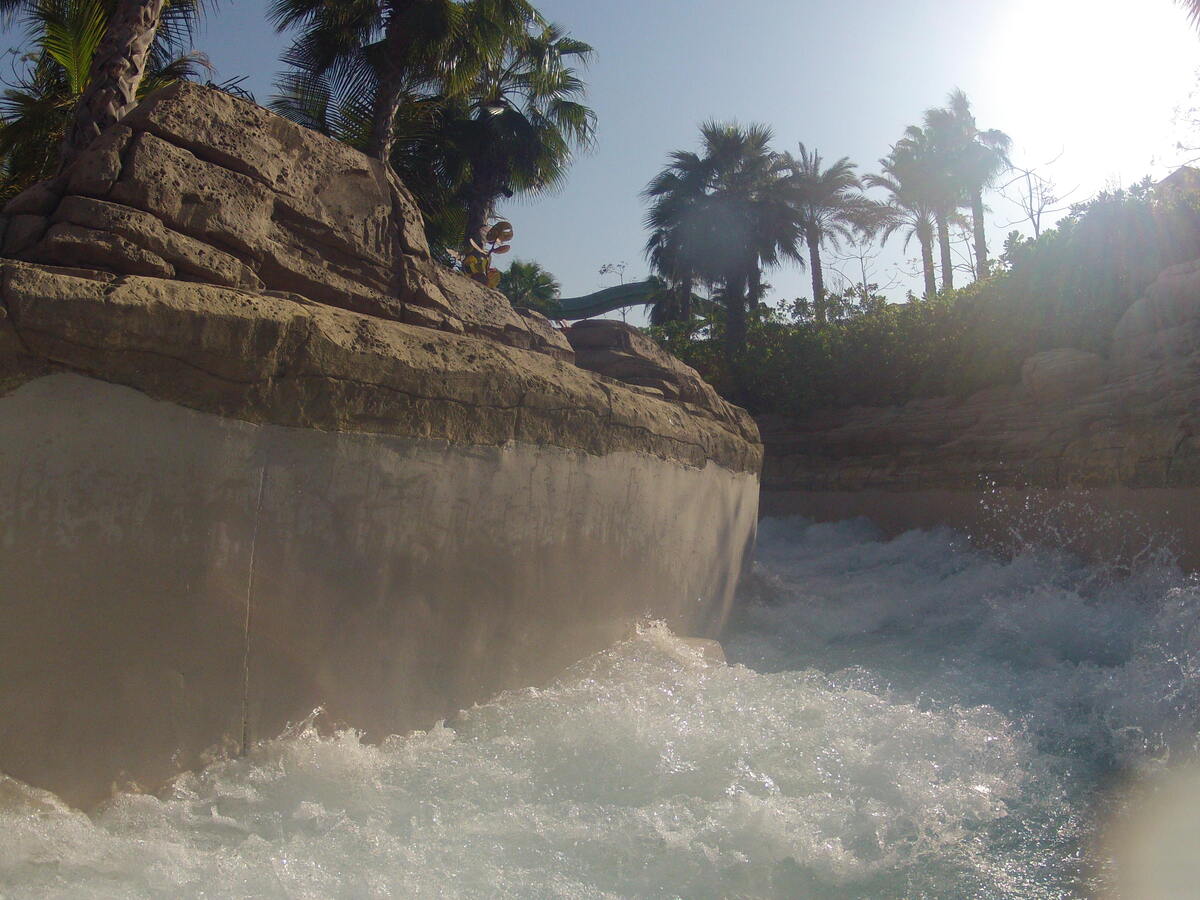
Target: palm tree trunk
[[754, 292], [389, 92], [388, 98], [943, 228], [479, 200], [818, 276], [927, 265], [117, 72], [981, 252], [479, 213], [735, 320]]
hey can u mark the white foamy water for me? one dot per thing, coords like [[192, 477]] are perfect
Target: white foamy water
[[907, 718]]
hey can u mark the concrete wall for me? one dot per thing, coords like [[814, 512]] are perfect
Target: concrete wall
[[1121, 526], [170, 578]]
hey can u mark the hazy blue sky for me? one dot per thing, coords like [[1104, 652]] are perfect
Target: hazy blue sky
[[1094, 80]]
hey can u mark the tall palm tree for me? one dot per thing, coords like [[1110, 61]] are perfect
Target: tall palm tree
[[926, 160], [668, 303], [723, 216], [1193, 9], [975, 157], [68, 40], [527, 285], [677, 280], [516, 127], [905, 209], [830, 206]]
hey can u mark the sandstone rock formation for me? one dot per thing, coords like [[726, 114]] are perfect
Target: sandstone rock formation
[[259, 453], [621, 352], [198, 186], [212, 253], [1061, 375]]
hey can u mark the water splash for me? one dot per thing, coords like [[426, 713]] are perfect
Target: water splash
[[909, 718]]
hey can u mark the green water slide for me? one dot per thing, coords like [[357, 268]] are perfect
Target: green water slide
[[636, 293]]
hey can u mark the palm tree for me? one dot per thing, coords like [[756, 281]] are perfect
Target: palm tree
[[905, 209], [1193, 9], [926, 160], [722, 217], [398, 43], [528, 286], [338, 102], [518, 124], [117, 70], [976, 158], [69, 40], [492, 108], [410, 47], [830, 206]]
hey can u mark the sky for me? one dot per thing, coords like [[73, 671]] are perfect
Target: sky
[[1092, 85]]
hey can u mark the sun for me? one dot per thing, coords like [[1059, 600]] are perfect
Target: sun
[[1096, 83]]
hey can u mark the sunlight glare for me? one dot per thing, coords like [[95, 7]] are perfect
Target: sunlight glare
[[1097, 81]]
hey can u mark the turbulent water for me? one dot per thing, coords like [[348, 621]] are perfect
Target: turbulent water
[[908, 718]]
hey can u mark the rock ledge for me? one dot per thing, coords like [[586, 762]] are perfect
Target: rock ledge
[[211, 253]]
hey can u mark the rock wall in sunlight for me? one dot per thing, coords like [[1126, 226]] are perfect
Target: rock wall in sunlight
[[259, 453]]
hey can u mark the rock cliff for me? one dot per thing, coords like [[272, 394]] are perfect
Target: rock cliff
[[259, 453]]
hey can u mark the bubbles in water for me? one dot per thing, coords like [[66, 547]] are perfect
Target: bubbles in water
[[908, 718]]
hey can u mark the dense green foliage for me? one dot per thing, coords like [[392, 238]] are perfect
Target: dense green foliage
[[471, 101], [482, 98], [1068, 288], [528, 286]]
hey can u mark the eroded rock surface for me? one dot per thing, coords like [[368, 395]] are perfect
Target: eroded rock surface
[[212, 253], [621, 352], [197, 185], [278, 359]]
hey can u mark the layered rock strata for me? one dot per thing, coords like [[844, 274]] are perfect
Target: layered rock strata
[[259, 453]]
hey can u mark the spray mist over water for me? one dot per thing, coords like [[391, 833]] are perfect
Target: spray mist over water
[[907, 718]]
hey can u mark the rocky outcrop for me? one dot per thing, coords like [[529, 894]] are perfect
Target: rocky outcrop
[[1127, 424], [198, 186], [286, 361], [1160, 333], [260, 454], [209, 252], [620, 352], [1061, 375]]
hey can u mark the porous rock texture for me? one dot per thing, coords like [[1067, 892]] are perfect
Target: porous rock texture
[[209, 252]]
